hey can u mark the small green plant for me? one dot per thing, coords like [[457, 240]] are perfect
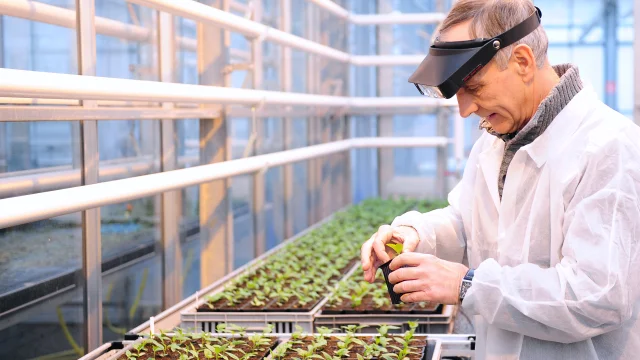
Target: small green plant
[[396, 247]]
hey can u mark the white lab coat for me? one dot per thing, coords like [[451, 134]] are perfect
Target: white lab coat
[[557, 260]]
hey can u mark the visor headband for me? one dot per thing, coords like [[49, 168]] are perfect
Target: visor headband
[[450, 64]]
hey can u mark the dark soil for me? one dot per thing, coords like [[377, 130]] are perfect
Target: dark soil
[[368, 306], [261, 351], [291, 306], [417, 344]]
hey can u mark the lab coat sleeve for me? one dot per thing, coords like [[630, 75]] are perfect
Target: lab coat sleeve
[[593, 288], [442, 231]]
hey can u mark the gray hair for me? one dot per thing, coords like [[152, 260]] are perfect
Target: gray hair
[[492, 17]]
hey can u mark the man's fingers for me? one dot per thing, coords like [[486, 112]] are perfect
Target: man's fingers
[[404, 274], [409, 286], [414, 297], [382, 237], [408, 236], [366, 255], [410, 259]]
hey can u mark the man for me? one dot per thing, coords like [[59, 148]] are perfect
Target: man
[[540, 239]]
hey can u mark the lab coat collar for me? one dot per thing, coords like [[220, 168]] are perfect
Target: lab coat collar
[[552, 140], [490, 159]]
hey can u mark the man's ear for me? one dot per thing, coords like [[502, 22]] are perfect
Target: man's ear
[[525, 61]]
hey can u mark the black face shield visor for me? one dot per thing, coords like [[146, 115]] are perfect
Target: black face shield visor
[[450, 64]]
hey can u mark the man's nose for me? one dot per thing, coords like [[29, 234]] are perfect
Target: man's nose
[[466, 104]]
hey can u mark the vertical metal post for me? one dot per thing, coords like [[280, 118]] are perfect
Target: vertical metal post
[[216, 218], [3, 148], [313, 126], [458, 142], [345, 175], [611, 52], [346, 170], [91, 241], [3, 127], [287, 122], [441, 153], [386, 170], [259, 229], [636, 62], [172, 259]]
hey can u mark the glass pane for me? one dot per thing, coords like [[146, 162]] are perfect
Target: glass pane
[[274, 196], [186, 61], [132, 55], [300, 186], [241, 203], [128, 148], [241, 195], [625, 85], [41, 298], [38, 156], [415, 161], [131, 264], [187, 138], [31, 45]]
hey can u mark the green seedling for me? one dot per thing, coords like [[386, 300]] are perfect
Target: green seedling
[[396, 247]]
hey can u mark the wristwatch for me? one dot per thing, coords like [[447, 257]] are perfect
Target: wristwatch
[[466, 284]]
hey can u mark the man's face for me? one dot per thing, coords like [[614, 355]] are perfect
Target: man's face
[[497, 96]]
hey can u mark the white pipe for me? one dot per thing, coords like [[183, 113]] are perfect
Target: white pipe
[[207, 14], [55, 15], [332, 7], [388, 60], [37, 11], [397, 18], [379, 19], [400, 101], [394, 142], [24, 83], [29, 208]]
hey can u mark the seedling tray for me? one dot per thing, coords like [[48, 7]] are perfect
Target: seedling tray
[[430, 351], [434, 323], [284, 322]]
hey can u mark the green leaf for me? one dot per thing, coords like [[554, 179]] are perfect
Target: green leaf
[[396, 247]]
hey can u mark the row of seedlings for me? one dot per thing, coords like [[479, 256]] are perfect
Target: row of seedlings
[[354, 296], [181, 345], [238, 345], [298, 276], [354, 346]]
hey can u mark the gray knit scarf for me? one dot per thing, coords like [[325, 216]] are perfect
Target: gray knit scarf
[[569, 85]]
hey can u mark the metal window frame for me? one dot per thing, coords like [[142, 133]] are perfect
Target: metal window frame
[[90, 159], [636, 46]]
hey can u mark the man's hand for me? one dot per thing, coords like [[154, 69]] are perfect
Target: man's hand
[[374, 252], [426, 278]]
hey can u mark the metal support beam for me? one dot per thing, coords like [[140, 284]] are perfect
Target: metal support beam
[[636, 62], [313, 123], [346, 189], [3, 127], [386, 170], [9, 113], [259, 218], [611, 52], [216, 217], [90, 159], [442, 124], [287, 122], [172, 259]]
